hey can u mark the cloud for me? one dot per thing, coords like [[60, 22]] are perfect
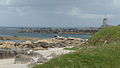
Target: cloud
[[82, 14], [23, 10], [116, 3], [11, 7], [5, 2]]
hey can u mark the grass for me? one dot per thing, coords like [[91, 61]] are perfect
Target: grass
[[103, 55], [109, 34]]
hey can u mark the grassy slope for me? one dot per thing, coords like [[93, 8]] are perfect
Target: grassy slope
[[111, 34], [105, 56]]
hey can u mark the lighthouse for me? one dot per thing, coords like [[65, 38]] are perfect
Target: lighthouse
[[105, 22]]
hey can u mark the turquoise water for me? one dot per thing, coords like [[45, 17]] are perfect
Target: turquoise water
[[14, 31]]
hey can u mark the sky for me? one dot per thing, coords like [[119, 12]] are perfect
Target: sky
[[58, 13]]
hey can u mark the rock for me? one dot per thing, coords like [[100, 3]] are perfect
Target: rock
[[34, 54], [27, 42], [53, 55], [28, 45], [42, 60], [8, 44], [32, 64], [7, 53], [59, 37], [17, 44], [22, 59], [70, 38], [39, 48], [62, 30], [43, 44]]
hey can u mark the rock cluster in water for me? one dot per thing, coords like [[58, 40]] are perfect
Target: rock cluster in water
[[61, 30], [16, 38]]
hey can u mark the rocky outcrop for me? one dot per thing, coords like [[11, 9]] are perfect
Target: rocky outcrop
[[52, 43], [43, 44], [22, 59], [32, 58], [16, 38], [37, 52], [61, 30], [11, 49], [33, 54], [7, 53], [11, 52], [42, 60], [53, 55], [32, 64]]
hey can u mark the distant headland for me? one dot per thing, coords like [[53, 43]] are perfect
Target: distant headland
[[61, 30], [89, 30]]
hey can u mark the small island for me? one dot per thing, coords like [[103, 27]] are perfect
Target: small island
[[88, 31]]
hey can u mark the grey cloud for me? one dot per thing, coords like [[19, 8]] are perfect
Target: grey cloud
[[58, 12]]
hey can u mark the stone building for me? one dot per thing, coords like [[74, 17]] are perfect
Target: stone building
[[105, 22]]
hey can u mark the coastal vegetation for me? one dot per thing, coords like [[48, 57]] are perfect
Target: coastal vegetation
[[100, 51]]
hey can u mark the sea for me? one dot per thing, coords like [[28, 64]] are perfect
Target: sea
[[14, 31]]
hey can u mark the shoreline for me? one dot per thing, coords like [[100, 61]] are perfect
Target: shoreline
[[82, 33], [17, 38], [38, 52], [9, 62]]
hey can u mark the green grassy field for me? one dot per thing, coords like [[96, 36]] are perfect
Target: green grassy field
[[96, 53], [111, 34]]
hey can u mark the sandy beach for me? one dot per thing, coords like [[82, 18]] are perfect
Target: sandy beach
[[9, 63]]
